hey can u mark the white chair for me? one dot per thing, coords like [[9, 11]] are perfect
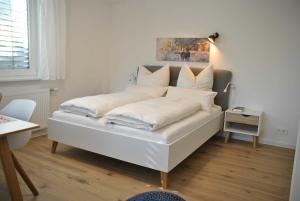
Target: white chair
[[20, 109]]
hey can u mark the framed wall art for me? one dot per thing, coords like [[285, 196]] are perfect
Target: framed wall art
[[183, 49]]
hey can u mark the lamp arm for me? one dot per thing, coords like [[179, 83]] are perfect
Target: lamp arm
[[132, 79], [226, 88]]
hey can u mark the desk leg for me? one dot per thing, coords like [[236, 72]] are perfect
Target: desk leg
[[9, 170], [24, 176]]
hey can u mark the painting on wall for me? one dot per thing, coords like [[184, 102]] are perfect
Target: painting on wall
[[183, 49]]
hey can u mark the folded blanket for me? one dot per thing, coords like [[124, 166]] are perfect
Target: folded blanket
[[97, 106], [152, 114]]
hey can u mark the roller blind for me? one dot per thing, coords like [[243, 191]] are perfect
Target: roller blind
[[14, 50]]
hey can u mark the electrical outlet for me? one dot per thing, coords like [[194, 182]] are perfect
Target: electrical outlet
[[281, 131]]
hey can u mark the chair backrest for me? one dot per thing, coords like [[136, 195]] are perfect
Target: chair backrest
[[20, 109]]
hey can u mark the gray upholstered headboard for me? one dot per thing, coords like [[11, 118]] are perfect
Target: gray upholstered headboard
[[221, 79]]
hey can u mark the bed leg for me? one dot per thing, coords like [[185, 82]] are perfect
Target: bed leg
[[54, 146], [164, 180]]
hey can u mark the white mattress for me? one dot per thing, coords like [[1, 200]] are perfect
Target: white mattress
[[166, 135]]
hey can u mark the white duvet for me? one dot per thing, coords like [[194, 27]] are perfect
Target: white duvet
[[97, 106], [152, 114]]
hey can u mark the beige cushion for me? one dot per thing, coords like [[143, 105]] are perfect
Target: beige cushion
[[154, 91], [205, 98], [160, 77], [203, 81]]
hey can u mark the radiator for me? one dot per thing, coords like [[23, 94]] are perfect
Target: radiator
[[40, 96]]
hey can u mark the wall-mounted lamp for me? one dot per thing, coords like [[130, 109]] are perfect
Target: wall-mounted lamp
[[213, 37]]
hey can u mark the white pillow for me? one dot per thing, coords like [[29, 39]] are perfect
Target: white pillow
[[203, 81], [160, 77], [205, 98], [153, 91]]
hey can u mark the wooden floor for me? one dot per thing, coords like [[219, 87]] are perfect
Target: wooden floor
[[215, 172]]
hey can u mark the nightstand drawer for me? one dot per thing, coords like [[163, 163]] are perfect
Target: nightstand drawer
[[243, 119]]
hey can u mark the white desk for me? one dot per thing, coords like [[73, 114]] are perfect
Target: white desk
[[9, 126]]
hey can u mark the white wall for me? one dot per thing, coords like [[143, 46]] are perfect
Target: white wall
[[259, 44], [295, 184], [88, 49]]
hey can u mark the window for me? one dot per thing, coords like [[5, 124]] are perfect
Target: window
[[15, 54], [32, 39]]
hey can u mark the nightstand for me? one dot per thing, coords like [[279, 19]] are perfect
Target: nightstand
[[247, 122]]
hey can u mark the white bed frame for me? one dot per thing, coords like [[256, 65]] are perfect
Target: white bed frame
[[147, 153]]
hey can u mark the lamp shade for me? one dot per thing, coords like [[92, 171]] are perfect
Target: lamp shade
[[213, 37]]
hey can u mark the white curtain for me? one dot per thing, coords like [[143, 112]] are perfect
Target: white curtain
[[51, 39]]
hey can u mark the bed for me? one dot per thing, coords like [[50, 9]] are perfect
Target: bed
[[161, 150]]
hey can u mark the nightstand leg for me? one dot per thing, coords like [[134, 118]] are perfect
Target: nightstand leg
[[227, 136], [255, 141]]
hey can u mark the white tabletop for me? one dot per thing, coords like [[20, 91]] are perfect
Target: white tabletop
[[9, 125]]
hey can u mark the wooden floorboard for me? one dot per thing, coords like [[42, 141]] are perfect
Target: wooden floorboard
[[215, 172]]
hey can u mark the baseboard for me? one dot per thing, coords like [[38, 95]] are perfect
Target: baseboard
[[277, 144], [263, 141], [39, 133]]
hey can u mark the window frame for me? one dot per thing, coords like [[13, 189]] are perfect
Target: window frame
[[32, 72]]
